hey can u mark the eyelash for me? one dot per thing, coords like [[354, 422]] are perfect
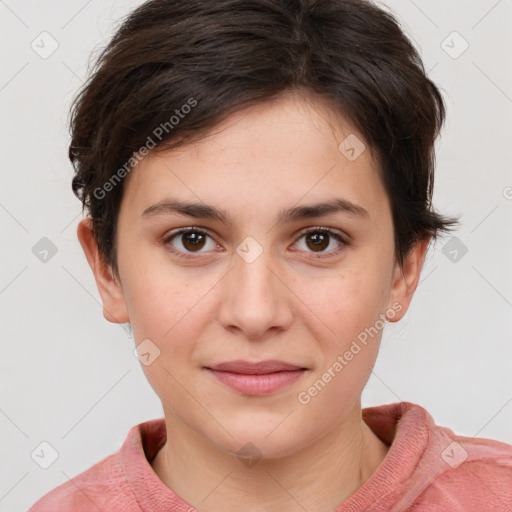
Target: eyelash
[[323, 230]]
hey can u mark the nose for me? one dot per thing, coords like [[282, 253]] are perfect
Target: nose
[[255, 298]]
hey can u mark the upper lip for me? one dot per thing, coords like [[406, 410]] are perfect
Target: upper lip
[[255, 368]]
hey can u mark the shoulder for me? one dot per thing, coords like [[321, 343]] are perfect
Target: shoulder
[[462, 473], [430, 468], [108, 484], [102, 485], [477, 475]]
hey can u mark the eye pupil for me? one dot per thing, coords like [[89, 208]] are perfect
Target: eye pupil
[[319, 240], [196, 240]]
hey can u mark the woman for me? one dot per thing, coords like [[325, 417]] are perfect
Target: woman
[[258, 178]]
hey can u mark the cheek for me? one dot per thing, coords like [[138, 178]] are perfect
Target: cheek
[[156, 295], [348, 301], [158, 312], [172, 319], [350, 306], [172, 309]]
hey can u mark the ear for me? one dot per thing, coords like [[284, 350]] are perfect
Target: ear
[[109, 287], [406, 278]]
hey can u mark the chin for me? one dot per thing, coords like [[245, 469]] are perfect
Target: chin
[[253, 442]]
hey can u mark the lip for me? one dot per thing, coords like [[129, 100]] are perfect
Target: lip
[[256, 378], [256, 368]]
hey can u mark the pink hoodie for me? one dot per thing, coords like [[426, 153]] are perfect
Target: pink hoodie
[[428, 468]]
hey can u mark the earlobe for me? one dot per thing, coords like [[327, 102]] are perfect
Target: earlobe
[[111, 292], [406, 278]]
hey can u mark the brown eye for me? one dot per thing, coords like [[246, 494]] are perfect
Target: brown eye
[[317, 241], [193, 240], [322, 241], [187, 241]]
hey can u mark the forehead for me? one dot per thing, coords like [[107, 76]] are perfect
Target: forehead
[[283, 152]]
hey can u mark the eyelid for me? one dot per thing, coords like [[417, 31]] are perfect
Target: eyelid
[[180, 231], [342, 238]]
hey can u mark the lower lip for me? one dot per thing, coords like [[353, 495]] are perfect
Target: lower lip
[[257, 384]]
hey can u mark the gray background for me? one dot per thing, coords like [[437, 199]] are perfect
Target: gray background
[[69, 378]]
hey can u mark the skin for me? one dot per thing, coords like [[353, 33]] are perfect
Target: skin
[[288, 304]]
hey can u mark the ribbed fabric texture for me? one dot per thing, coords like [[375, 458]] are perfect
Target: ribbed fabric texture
[[428, 468]]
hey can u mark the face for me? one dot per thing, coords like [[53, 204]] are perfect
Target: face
[[263, 308]]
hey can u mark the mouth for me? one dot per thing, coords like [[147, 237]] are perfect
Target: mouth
[[258, 378]]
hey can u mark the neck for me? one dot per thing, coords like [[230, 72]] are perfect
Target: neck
[[318, 477]]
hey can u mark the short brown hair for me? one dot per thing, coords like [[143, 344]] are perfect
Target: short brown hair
[[228, 54]]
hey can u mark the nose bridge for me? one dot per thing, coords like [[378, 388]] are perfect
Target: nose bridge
[[256, 277], [255, 299]]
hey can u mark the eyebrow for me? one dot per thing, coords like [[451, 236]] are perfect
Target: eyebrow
[[296, 213]]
